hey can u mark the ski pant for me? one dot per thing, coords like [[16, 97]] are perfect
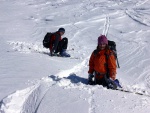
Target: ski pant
[[101, 81], [106, 82], [62, 45]]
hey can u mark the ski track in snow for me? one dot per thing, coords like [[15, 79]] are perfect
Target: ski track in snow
[[139, 18], [106, 25], [141, 2], [91, 100], [137, 14]]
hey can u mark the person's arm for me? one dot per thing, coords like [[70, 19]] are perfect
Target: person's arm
[[56, 41], [91, 64]]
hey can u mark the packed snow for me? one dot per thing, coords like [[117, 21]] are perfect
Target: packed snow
[[31, 81]]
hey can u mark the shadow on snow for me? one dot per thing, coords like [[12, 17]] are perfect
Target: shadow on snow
[[72, 77]]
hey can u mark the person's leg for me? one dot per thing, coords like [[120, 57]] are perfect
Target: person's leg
[[104, 83], [63, 44], [99, 81], [63, 47]]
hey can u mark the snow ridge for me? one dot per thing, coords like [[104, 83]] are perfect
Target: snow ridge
[[31, 98], [25, 47], [9, 105]]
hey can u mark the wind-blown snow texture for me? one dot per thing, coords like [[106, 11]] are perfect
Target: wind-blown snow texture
[[33, 82]]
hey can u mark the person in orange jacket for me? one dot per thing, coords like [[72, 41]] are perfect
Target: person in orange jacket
[[102, 63]]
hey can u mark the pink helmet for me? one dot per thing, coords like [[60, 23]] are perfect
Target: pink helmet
[[102, 40]]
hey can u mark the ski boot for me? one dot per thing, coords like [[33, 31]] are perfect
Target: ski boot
[[63, 53]]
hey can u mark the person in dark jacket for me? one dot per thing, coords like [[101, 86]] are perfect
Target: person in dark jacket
[[58, 45]]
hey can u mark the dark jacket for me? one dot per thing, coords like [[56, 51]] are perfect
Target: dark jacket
[[55, 38]]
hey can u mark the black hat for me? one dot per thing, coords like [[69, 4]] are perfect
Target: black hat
[[61, 30]]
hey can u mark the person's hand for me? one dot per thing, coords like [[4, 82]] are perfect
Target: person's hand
[[53, 54], [90, 77]]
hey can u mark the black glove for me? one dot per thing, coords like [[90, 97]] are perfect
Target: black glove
[[90, 79], [111, 84], [53, 54]]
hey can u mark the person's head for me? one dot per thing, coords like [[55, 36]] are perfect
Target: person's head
[[61, 31], [102, 42]]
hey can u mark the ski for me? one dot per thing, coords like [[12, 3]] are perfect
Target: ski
[[142, 93]]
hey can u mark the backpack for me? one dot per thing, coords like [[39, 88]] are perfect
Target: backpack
[[112, 46], [46, 40]]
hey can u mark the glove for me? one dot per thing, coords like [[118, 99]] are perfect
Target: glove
[[90, 77], [53, 54], [111, 84], [117, 83]]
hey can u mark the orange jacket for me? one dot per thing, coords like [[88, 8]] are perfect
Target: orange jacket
[[97, 63]]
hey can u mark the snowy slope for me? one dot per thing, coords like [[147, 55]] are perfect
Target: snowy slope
[[33, 82]]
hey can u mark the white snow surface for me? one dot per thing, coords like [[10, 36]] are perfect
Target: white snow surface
[[31, 81]]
